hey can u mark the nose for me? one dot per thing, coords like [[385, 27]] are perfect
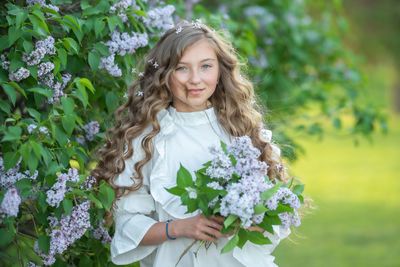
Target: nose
[[194, 77]]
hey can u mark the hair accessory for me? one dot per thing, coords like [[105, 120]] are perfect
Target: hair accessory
[[197, 23], [150, 60], [179, 29], [141, 74], [139, 93], [166, 231], [155, 64], [133, 70]]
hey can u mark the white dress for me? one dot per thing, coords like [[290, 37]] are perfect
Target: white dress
[[184, 139]]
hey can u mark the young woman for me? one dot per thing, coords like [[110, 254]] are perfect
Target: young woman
[[190, 97]]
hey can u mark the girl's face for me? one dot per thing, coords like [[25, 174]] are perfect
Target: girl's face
[[195, 77]]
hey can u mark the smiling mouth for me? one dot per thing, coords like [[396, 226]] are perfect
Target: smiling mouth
[[195, 91]]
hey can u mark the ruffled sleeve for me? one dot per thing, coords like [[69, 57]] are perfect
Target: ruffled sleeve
[[252, 255], [133, 214]]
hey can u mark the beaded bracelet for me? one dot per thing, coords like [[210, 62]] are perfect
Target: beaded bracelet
[[166, 231]]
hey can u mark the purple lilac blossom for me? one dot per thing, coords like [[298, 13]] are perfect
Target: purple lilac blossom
[[31, 128], [242, 147], [123, 43], [121, 6], [10, 203], [102, 233], [57, 192], [91, 129], [9, 178], [73, 175], [69, 229], [109, 64], [221, 165], [5, 64], [89, 183], [42, 4], [34, 57], [48, 79], [45, 68]]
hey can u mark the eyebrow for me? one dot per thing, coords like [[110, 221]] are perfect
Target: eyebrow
[[207, 59]]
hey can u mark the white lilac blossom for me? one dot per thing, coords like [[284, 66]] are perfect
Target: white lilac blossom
[[18, 75], [288, 219], [123, 43], [160, 17], [47, 44], [284, 195], [197, 23], [45, 68], [121, 6], [73, 175], [221, 165], [5, 64], [43, 130], [179, 29], [57, 192], [42, 4], [109, 64], [141, 74], [34, 57], [58, 87], [66, 231], [9, 178], [192, 192], [91, 129], [10, 203], [32, 264], [242, 147], [31, 128]]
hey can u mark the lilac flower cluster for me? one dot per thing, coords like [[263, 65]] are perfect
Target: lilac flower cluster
[[58, 87], [5, 64], [102, 234], [19, 75], [42, 129], [91, 129], [57, 192], [9, 178], [120, 7], [42, 4], [10, 203], [109, 64], [66, 231], [244, 194], [42, 47], [89, 183], [160, 18]]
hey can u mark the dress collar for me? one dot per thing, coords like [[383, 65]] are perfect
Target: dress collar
[[192, 118]]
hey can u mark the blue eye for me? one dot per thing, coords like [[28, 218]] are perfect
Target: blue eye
[[206, 66], [181, 68]]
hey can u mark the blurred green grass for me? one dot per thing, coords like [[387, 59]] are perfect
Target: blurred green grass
[[356, 193]]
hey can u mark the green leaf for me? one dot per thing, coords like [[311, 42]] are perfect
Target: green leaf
[[68, 122], [231, 244], [13, 133], [258, 238], [112, 101], [106, 195], [270, 192], [4, 42], [103, 49], [28, 46], [44, 243], [242, 237], [16, 86], [67, 205], [41, 91], [25, 186], [34, 113], [184, 178], [4, 106], [112, 21], [13, 34], [97, 202], [42, 201], [94, 61], [62, 55], [337, 123], [176, 190], [6, 236], [36, 148], [60, 135], [81, 94], [25, 151], [281, 208], [71, 43], [68, 105], [99, 27], [298, 189], [223, 146], [33, 162], [9, 90], [21, 16], [260, 208], [229, 220], [87, 83]]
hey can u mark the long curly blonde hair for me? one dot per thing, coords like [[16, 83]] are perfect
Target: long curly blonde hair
[[232, 101]]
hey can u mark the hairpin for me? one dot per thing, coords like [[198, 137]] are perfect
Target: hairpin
[[150, 60], [197, 23], [155, 64], [139, 93], [179, 29]]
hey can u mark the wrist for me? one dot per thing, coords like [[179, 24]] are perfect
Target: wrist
[[173, 229]]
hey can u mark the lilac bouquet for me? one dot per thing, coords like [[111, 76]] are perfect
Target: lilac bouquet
[[235, 184]]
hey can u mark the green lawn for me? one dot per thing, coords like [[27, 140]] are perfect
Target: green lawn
[[356, 191]]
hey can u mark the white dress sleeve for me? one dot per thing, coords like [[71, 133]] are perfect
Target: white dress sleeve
[[133, 214]]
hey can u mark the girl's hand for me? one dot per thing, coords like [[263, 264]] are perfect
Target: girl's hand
[[198, 227], [256, 228]]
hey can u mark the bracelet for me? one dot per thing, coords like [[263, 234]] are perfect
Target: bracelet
[[166, 231]]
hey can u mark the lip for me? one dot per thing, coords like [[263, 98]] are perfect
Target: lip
[[195, 91]]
